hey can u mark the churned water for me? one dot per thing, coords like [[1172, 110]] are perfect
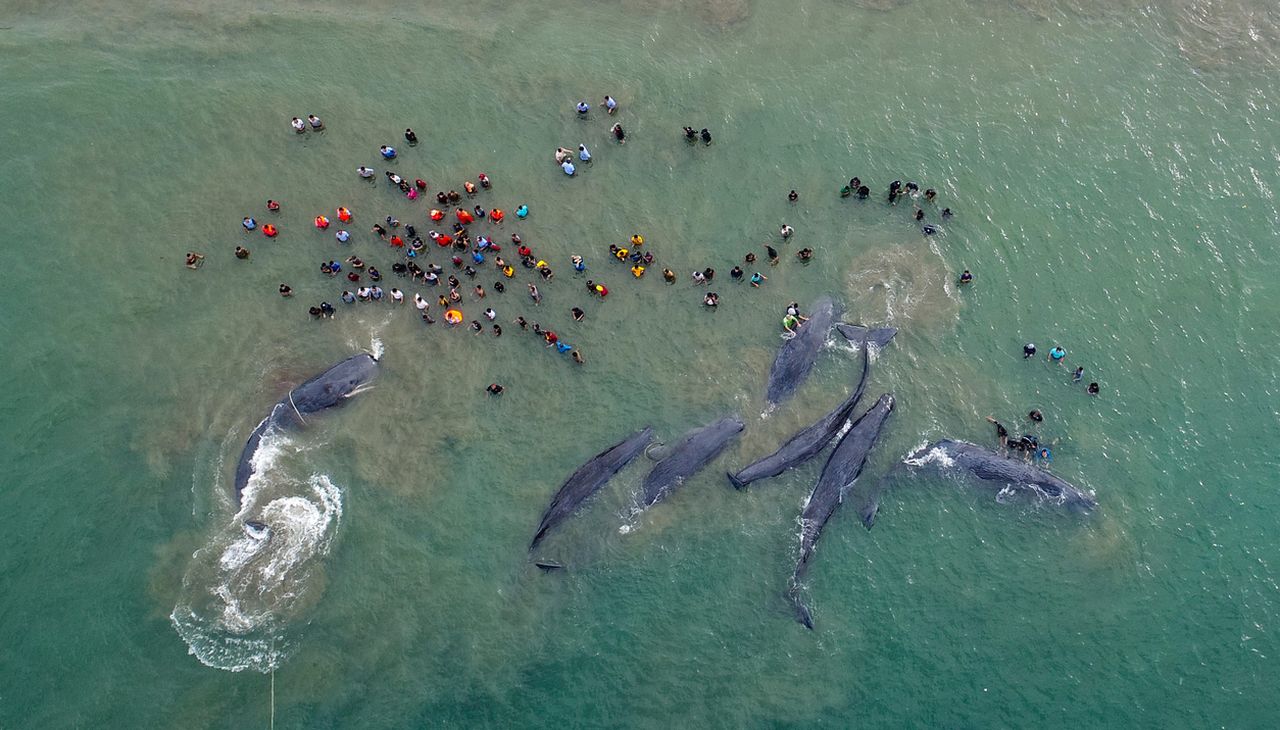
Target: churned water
[[1112, 168]]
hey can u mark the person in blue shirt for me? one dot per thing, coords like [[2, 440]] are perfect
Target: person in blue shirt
[[1057, 354], [583, 153], [388, 153]]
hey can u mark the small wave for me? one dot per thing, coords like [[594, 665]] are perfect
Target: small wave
[[241, 592], [273, 445], [848, 424], [844, 345], [935, 455], [227, 651]]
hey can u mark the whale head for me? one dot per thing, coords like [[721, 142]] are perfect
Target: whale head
[[344, 380]]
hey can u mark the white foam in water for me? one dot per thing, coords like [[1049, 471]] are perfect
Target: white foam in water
[[241, 592], [849, 347], [271, 447], [376, 348], [848, 424], [932, 456]]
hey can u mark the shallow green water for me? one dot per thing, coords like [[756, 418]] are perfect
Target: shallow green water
[[1113, 171]]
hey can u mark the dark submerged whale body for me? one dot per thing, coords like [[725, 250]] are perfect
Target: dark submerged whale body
[[857, 334], [796, 356], [997, 471], [807, 442], [325, 390], [841, 471], [588, 479], [687, 456]]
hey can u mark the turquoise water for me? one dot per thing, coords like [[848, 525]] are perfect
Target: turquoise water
[[1113, 169]]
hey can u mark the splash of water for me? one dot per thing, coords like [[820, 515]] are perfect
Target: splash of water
[[245, 587], [936, 455]]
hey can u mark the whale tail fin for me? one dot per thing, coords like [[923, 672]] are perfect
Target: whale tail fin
[[736, 482]]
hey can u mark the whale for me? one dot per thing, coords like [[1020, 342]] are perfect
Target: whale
[[326, 390], [688, 455], [806, 443], [1006, 475], [588, 479], [795, 358], [857, 334], [842, 469]]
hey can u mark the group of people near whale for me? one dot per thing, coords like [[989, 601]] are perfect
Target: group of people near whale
[[854, 437], [468, 255]]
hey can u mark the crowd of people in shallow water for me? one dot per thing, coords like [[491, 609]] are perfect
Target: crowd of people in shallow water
[[1029, 445], [477, 252]]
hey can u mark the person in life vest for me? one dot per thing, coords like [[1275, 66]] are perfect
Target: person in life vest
[[269, 231], [322, 222], [344, 215]]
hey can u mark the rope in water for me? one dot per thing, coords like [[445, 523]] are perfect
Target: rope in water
[[273, 671]]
